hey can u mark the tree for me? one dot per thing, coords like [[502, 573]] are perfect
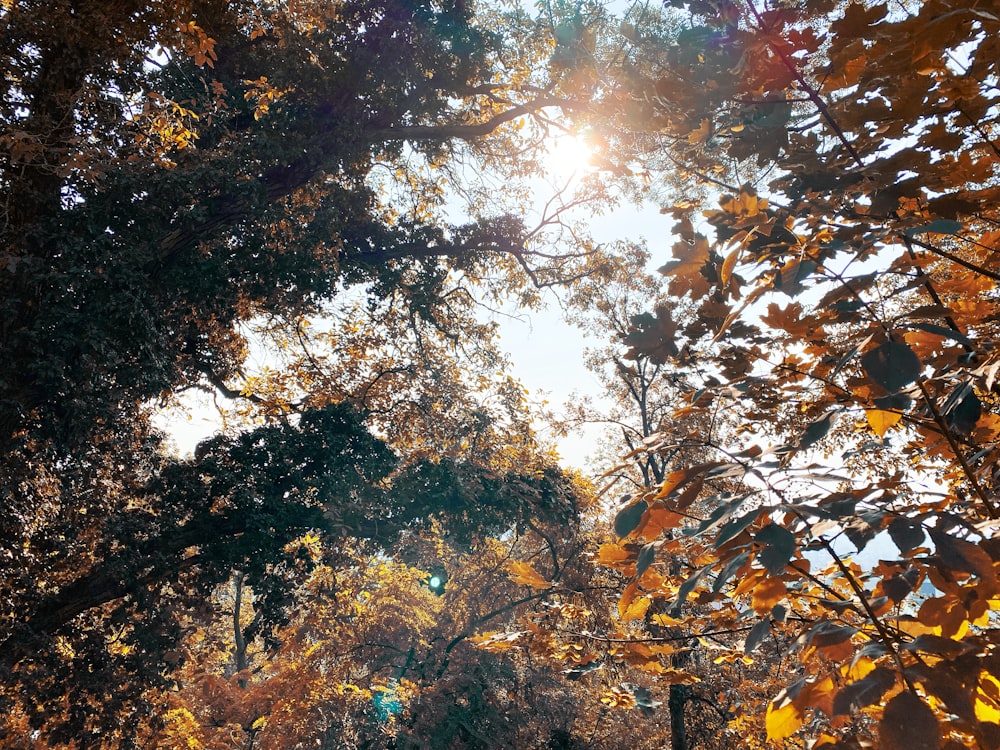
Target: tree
[[178, 176], [845, 307]]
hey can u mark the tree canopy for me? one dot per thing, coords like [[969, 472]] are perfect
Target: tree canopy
[[305, 210]]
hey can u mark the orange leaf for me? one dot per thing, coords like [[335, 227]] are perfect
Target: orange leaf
[[766, 594], [612, 554], [522, 573], [729, 264]]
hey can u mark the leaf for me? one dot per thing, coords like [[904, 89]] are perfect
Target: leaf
[[726, 272], [612, 555], [578, 671], [828, 633], [686, 268], [646, 557], [793, 274], [779, 546], [959, 554], [643, 698], [938, 226], [685, 590], [766, 594], [727, 572], [880, 421], [628, 519], [929, 643], [942, 331], [635, 610], [523, 574], [908, 724], [864, 692], [756, 635], [689, 495], [735, 526], [892, 365], [906, 534], [817, 430], [782, 722], [677, 479], [964, 417]]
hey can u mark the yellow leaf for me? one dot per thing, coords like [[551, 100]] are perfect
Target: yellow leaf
[[988, 699], [782, 722], [880, 420], [666, 621], [636, 610], [522, 573], [628, 595]]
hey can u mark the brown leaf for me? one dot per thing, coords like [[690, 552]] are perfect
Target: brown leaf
[[909, 724]]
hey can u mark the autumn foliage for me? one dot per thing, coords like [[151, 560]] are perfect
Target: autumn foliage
[[293, 210], [842, 359]]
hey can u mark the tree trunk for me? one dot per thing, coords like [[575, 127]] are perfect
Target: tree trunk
[[676, 702]]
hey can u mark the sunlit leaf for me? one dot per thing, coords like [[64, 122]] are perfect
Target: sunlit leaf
[[880, 421], [782, 722], [523, 574], [766, 594]]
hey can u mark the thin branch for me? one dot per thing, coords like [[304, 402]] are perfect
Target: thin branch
[[655, 639], [991, 509], [949, 256]]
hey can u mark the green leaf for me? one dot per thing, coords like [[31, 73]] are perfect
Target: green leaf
[[685, 590], [817, 430], [938, 226], [964, 417], [756, 635], [646, 557], [779, 546], [727, 572], [629, 518], [735, 526], [906, 534], [892, 365]]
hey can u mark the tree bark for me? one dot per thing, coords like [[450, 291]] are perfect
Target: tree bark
[[676, 702]]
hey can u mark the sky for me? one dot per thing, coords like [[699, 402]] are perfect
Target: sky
[[546, 352]]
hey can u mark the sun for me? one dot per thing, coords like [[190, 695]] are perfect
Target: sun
[[567, 156]]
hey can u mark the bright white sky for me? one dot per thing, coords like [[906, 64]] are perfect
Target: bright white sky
[[547, 353]]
